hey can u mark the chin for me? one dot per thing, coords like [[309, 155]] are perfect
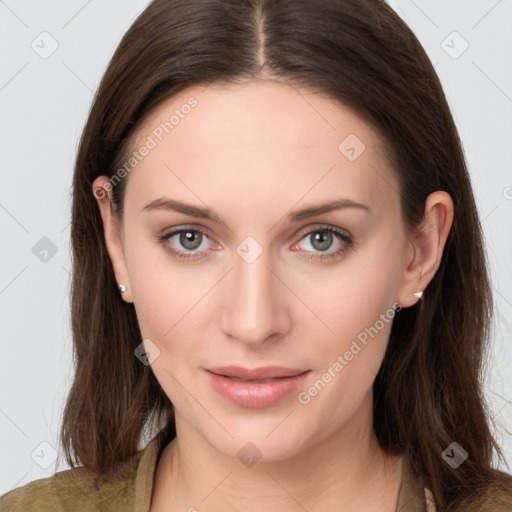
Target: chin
[[261, 441]]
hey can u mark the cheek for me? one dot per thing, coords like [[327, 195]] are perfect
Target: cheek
[[165, 299], [352, 296], [169, 304], [163, 292], [356, 303], [348, 361]]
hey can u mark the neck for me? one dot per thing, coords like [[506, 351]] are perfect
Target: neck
[[347, 467]]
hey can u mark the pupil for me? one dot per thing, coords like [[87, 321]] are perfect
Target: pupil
[[326, 237], [187, 238]]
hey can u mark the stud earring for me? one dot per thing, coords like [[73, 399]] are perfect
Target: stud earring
[[418, 295], [122, 288]]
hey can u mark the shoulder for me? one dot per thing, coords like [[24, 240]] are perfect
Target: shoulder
[[497, 496], [76, 489], [493, 496], [52, 493]]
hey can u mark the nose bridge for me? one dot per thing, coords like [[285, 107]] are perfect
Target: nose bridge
[[254, 300]]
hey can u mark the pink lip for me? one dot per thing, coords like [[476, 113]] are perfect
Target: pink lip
[[255, 388]]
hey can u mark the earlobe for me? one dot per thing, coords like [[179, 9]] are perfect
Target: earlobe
[[102, 191], [427, 248]]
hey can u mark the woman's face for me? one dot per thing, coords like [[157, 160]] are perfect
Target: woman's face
[[259, 281]]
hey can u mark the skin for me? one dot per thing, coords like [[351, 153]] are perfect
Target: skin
[[254, 152]]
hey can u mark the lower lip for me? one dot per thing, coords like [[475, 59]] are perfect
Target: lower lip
[[255, 394]]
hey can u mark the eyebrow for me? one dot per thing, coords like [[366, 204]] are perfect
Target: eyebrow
[[164, 203]]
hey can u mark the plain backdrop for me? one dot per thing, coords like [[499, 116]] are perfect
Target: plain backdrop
[[52, 56]]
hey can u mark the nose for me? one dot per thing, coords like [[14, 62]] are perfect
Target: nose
[[255, 307]]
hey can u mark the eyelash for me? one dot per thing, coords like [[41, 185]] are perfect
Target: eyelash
[[342, 235]]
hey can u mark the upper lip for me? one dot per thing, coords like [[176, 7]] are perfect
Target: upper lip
[[263, 372]]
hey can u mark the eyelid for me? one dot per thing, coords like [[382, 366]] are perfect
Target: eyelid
[[184, 227], [187, 227], [341, 233], [300, 233], [323, 226]]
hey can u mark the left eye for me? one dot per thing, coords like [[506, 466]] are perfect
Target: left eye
[[323, 239]]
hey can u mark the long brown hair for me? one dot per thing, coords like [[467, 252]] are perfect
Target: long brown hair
[[428, 391]]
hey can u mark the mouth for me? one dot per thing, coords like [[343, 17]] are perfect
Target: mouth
[[256, 374], [255, 388], [237, 379]]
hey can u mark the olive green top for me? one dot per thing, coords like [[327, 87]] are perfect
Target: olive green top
[[129, 489]]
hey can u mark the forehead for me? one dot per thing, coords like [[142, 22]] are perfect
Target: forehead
[[258, 111], [268, 138]]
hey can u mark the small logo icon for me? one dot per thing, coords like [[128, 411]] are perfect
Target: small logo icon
[[147, 352], [249, 249], [351, 147], [454, 45], [249, 454], [455, 455], [44, 250], [44, 455], [44, 45]]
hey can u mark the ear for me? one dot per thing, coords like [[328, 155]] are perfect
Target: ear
[[102, 191], [426, 247]]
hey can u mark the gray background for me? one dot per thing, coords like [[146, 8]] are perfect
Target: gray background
[[44, 101]]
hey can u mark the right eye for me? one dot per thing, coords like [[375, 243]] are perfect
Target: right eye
[[189, 239]]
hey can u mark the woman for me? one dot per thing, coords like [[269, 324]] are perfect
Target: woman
[[273, 226]]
